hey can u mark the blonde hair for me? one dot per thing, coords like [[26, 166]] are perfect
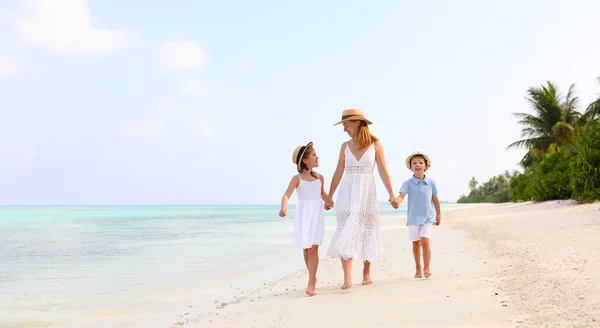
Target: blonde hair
[[364, 138], [303, 166]]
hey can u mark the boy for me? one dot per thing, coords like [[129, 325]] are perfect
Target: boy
[[423, 197]]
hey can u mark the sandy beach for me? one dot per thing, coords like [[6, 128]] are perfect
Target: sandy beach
[[504, 265]]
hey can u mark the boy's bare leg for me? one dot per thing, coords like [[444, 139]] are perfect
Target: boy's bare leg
[[347, 266], [367, 273], [417, 255], [426, 256], [313, 263]]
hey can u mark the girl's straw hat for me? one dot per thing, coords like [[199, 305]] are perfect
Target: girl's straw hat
[[427, 160], [298, 153], [353, 115]]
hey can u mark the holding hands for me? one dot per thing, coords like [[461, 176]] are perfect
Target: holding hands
[[393, 202], [328, 203]]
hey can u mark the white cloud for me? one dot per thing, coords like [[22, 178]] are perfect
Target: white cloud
[[182, 55], [64, 27], [9, 66], [148, 128], [205, 129], [195, 88]]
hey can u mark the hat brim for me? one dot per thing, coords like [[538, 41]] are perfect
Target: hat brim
[[354, 118], [409, 158], [300, 155]]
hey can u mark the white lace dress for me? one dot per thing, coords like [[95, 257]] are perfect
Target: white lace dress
[[309, 216], [357, 234]]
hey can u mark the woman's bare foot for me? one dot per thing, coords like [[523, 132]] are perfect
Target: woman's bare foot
[[419, 273], [427, 273], [367, 279]]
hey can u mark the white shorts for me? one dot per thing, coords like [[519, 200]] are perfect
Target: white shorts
[[415, 232]]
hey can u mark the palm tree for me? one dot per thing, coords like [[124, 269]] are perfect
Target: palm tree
[[473, 183], [554, 121], [593, 110]]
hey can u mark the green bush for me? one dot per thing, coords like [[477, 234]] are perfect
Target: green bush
[[550, 179], [585, 164], [518, 188]]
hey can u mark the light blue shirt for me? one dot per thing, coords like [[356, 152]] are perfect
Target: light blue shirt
[[420, 202]]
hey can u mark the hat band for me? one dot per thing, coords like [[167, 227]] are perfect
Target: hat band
[[300, 154], [344, 117]]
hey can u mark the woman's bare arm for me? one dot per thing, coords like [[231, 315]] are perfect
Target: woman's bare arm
[[381, 167]]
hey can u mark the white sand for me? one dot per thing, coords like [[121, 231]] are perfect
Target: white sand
[[511, 265]]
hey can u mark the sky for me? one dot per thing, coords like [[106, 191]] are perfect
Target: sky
[[203, 102]]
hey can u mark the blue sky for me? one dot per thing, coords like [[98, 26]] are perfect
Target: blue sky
[[197, 102]]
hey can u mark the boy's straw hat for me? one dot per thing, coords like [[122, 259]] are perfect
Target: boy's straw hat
[[353, 114], [298, 153], [427, 160]]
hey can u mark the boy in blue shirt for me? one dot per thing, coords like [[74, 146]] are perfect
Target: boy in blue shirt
[[422, 199]]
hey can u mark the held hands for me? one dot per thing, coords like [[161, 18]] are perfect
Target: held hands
[[393, 202], [282, 212], [329, 204], [438, 219]]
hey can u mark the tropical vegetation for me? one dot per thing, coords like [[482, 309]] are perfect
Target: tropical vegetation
[[563, 153]]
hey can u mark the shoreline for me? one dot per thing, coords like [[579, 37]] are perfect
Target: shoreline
[[477, 280]]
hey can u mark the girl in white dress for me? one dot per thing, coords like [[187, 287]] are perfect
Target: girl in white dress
[[357, 235], [309, 216]]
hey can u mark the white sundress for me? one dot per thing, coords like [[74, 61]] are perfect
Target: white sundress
[[309, 216], [357, 234]]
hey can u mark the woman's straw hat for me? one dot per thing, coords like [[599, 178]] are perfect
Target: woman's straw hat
[[298, 153], [427, 160], [353, 115]]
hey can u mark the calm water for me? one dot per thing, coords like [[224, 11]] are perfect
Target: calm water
[[67, 264]]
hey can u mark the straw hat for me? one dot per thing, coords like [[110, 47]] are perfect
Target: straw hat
[[298, 153], [427, 160], [353, 115]]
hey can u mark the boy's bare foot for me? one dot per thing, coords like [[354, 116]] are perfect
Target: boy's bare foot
[[419, 273], [427, 273]]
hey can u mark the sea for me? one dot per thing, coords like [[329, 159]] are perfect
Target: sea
[[139, 266]]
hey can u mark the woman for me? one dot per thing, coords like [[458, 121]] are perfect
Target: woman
[[357, 234]]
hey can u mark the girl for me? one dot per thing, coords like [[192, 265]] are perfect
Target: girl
[[309, 217], [357, 233]]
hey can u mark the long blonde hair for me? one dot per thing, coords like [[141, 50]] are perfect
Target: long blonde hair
[[364, 138]]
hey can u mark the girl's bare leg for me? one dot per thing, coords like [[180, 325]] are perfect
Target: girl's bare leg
[[313, 263], [367, 273], [306, 257], [426, 256], [417, 256], [347, 266]]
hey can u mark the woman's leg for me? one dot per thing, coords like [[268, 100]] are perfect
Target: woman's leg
[[367, 273]]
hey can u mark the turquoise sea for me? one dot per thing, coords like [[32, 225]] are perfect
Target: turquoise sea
[[126, 266]]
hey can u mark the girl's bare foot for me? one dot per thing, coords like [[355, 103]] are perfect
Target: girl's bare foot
[[310, 289], [419, 273], [346, 285], [427, 273]]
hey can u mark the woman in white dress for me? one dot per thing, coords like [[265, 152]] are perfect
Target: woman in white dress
[[357, 235]]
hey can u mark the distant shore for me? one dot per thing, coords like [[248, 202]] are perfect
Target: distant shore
[[494, 265]]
